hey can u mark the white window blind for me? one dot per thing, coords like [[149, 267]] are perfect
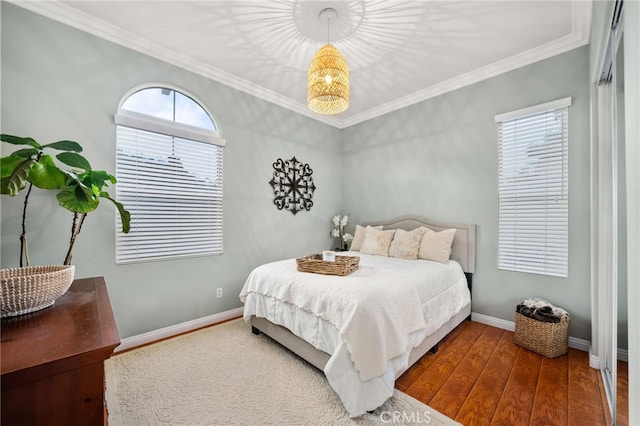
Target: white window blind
[[172, 186], [533, 202]]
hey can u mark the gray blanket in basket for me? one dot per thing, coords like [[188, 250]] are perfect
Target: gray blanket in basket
[[541, 310]]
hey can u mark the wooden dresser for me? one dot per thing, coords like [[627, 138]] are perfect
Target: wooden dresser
[[53, 360]]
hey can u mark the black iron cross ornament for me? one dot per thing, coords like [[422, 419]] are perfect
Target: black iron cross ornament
[[292, 185]]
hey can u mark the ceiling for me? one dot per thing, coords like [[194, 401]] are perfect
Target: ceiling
[[398, 52]]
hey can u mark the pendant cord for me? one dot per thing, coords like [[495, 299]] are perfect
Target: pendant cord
[[328, 38]]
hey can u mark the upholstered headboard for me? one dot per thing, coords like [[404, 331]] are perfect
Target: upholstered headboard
[[463, 248]]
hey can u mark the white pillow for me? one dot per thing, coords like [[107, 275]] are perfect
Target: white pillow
[[406, 244], [436, 245], [377, 241], [358, 237]]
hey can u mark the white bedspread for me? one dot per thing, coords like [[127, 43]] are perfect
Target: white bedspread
[[380, 312]]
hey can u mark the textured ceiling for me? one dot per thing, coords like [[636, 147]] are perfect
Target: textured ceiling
[[398, 52]]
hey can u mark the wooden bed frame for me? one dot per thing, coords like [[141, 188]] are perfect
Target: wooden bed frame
[[462, 251]]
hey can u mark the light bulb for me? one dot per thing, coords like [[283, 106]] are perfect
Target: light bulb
[[327, 79]]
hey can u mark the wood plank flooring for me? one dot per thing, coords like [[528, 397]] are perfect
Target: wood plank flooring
[[622, 397], [480, 377]]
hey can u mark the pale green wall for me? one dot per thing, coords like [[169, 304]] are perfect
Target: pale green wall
[[438, 159], [61, 83]]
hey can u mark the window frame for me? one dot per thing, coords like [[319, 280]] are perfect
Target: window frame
[[547, 256], [132, 122]]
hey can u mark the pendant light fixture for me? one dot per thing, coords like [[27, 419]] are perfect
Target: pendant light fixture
[[328, 78]]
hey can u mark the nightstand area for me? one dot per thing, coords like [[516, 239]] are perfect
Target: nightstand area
[[53, 360]]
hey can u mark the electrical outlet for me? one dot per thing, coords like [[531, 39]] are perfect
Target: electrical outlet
[[219, 293]]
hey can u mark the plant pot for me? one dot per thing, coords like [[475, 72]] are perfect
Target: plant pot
[[29, 289]]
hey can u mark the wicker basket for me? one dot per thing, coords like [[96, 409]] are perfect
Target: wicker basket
[[343, 265], [29, 289], [549, 339]]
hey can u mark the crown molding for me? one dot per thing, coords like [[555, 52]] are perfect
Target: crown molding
[[74, 18], [579, 36], [61, 12]]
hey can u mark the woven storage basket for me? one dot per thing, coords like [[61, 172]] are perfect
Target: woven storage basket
[[343, 265], [32, 288], [545, 338]]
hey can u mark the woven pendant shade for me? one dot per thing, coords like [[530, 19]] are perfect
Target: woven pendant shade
[[328, 82]]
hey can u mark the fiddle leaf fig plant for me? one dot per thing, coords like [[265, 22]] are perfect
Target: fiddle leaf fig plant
[[79, 187]]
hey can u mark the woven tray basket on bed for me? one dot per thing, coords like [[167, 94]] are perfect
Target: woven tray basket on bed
[[549, 339], [343, 265], [29, 289]]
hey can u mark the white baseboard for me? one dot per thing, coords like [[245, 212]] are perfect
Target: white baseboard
[[493, 321], [174, 330], [623, 355], [574, 342], [594, 361]]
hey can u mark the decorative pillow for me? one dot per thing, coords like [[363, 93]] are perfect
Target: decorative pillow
[[377, 241], [406, 244], [436, 245], [358, 237]]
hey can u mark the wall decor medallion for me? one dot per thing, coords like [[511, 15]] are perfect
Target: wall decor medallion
[[292, 185]]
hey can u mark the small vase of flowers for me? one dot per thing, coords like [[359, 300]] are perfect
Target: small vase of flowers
[[339, 223]]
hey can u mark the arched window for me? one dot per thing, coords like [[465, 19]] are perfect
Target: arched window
[[169, 169]]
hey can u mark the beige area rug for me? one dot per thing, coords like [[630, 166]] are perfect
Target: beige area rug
[[225, 375]]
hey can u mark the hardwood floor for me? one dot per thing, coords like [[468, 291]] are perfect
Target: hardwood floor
[[480, 377], [622, 400]]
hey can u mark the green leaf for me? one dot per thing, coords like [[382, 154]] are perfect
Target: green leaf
[[26, 152], [74, 160], [71, 176], [87, 194], [4, 187], [78, 198], [8, 164], [14, 178], [98, 178], [17, 140], [125, 216], [64, 146], [46, 175]]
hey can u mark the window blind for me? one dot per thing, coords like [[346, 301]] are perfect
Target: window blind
[[533, 199], [173, 188]]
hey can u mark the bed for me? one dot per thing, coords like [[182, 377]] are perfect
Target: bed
[[367, 328]]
